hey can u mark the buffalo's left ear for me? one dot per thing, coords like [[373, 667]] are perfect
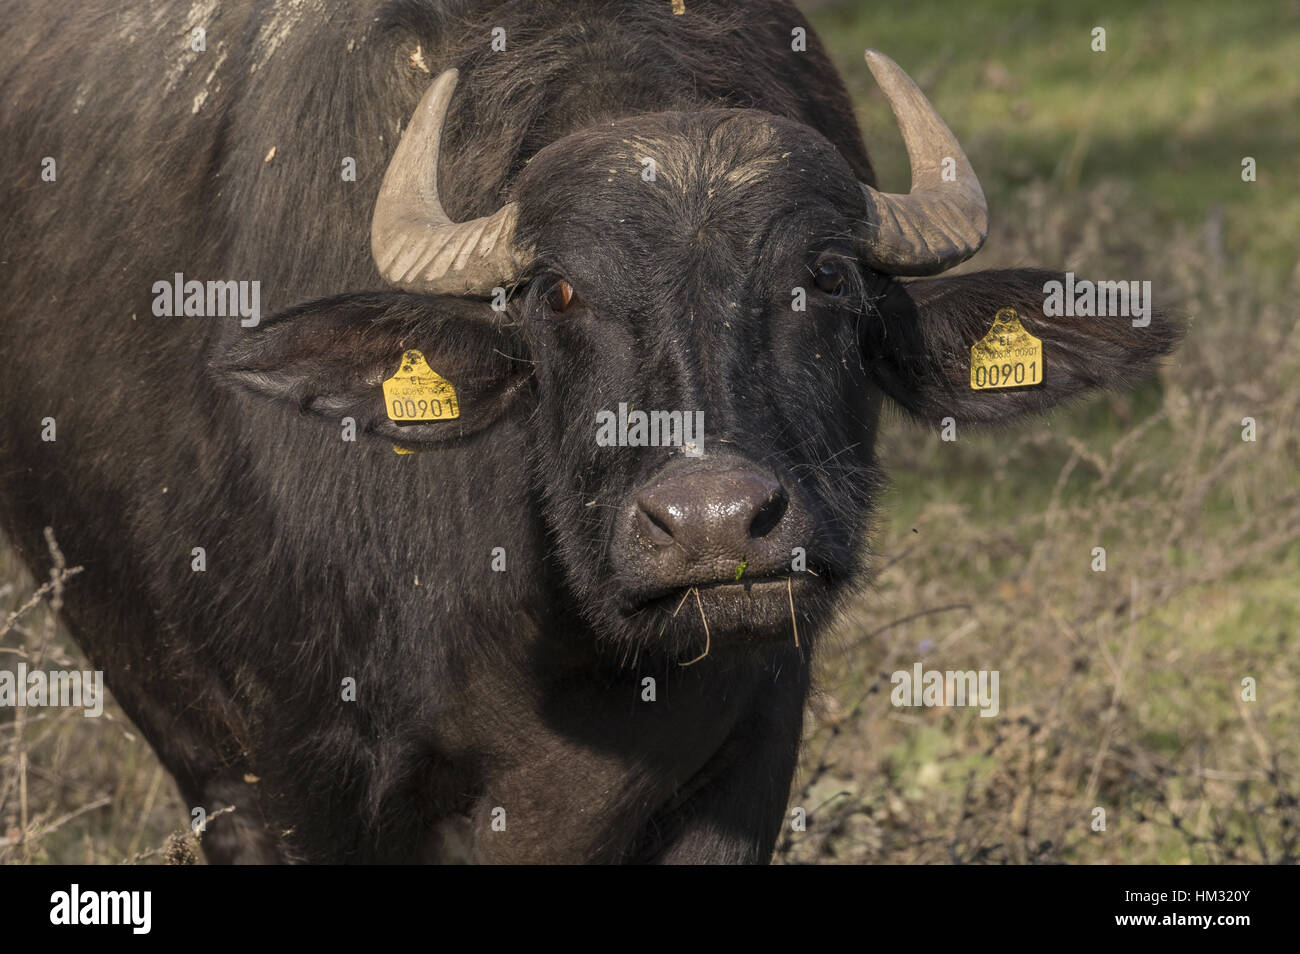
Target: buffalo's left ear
[[918, 347], [332, 356]]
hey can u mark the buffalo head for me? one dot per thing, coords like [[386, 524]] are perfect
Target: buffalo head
[[717, 267]]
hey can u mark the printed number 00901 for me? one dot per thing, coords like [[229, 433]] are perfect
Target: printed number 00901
[[1009, 372], [420, 408]]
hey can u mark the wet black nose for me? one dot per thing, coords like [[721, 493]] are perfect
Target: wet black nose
[[709, 514], [704, 525]]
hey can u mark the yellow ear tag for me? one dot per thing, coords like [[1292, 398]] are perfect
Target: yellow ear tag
[[1007, 357], [416, 392]]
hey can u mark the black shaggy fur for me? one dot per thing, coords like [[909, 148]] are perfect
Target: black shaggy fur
[[328, 560]]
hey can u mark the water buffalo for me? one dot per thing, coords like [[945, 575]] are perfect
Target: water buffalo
[[484, 633]]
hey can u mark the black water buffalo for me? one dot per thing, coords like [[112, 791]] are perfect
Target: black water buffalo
[[511, 640]]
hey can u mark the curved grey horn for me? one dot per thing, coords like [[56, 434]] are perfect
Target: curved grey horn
[[939, 223], [415, 244]]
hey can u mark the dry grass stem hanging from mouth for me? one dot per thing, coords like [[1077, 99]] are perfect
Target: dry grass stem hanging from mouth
[[707, 639], [789, 590]]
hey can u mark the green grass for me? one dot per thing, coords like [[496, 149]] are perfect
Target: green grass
[[1183, 92]]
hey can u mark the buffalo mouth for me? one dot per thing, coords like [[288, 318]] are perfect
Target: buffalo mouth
[[764, 608]]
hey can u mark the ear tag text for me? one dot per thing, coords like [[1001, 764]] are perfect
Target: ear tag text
[[1007, 357], [416, 392]]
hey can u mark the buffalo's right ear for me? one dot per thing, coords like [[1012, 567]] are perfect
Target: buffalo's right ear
[[332, 356]]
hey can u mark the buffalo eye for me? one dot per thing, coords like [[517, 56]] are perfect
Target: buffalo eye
[[559, 296], [829, 279]]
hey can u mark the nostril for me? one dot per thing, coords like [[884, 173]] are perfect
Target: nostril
[[769, 514], [653, 528]]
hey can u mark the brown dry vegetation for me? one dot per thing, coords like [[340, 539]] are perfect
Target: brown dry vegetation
[[1120, 689]]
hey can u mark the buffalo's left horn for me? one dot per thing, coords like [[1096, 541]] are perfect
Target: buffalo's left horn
[[414, 242], [941, 222]]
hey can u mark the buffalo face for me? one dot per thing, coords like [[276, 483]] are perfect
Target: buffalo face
[[699, 268]]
